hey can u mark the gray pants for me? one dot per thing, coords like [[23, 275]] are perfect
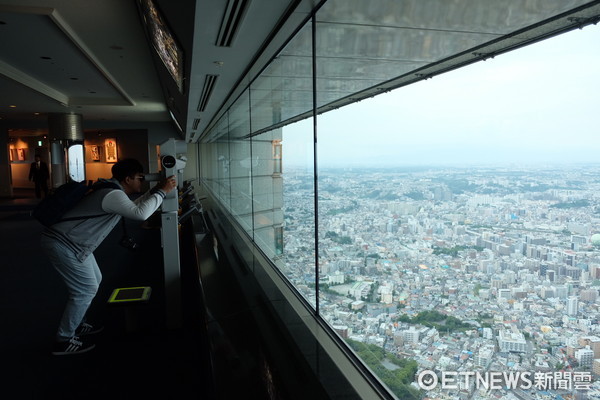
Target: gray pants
[[82, 279]]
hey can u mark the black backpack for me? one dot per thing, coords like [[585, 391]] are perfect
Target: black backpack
[[52, 207]]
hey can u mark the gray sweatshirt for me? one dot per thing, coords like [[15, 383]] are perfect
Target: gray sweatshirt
[[83, 236]]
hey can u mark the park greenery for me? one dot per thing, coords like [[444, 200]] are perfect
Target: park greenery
[[572, 204], [337, 238], [453, 251], [437, 320], [343, 210], [415, 195], [398, 378]]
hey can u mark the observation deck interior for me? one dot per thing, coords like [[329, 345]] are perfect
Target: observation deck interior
[[246, 332]]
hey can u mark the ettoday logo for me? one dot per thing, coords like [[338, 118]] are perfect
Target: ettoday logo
[[495, 380], [427, 380]]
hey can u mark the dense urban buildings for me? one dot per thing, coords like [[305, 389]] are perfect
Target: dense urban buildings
[[509, 257]]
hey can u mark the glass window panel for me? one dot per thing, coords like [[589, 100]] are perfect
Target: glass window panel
[[267, 192], [208, 160], [361, 44], [224, 161], [465, 15], [241, 183], [215, 160], [76, 162], [298, 261], [402, 229], [284, 88], [457, 216], [241, 162], [239, 117]]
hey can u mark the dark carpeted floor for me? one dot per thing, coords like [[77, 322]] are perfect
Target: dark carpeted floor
[[135, 355]]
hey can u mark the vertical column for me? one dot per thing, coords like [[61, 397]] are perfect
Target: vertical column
[[169, 151], [57, 163], [65, 133], [5, 177]]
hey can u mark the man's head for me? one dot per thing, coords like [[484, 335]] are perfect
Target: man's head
[[38, 157], [130, 173]]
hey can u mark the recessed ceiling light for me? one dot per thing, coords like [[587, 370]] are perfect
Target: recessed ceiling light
[[12, 106]]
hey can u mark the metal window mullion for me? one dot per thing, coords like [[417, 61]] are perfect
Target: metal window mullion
[[229, 158], [251, 169], [315, 172]]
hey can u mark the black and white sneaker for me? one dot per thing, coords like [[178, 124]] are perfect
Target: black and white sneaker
[[72, 346], [87, 329]]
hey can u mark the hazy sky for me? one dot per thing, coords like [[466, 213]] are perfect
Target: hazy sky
[[536, 104]]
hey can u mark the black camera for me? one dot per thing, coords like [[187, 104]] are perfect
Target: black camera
[[129, 243]]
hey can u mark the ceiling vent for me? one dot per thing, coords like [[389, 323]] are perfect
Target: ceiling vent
[[195, 124], [231, 21], [209, 84]]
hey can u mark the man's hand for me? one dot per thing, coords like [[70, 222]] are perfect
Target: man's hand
[[168, 184]]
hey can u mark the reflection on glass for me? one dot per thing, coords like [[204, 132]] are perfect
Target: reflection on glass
[[241, 182], [284, 88], [299, 262], [267, 192], [224, 162], [361, 44], [364, 44], [241, 163]]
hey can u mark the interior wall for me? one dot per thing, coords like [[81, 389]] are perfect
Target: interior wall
[[5, 167], [157, 133], [21, 153], [131, 143], [137, 140]]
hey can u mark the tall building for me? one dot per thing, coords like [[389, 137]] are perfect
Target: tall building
[[596, 367], [573, 272], [484, 357], [593, 342], [547, 292], [595, 271], [504, 295], [585, 357], [562, 291], [411, 335], [512, 340], [572, 305], [588, 295]]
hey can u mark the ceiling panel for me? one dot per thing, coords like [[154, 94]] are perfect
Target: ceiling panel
[[62, 56]]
